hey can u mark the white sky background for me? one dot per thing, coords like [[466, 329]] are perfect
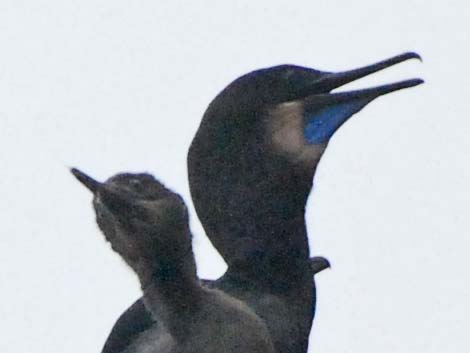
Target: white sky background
[[112, 86]]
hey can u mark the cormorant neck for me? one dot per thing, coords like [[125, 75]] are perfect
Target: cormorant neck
[[277, 219], [172, 292], [285, 261]]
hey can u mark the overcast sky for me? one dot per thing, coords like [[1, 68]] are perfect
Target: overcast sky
[[110, 86]]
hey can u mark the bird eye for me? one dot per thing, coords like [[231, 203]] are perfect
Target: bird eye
[[135, 184]]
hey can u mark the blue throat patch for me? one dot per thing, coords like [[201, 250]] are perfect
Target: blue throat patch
[[323, 123]]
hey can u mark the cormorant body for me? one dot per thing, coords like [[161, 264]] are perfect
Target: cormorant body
[[147, 225], [251, 167]]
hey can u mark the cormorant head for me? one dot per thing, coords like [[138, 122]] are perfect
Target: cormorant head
[[289, 108], [260, 140], [141, 218]]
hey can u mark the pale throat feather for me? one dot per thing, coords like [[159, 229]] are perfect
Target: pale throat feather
[[286, 127]]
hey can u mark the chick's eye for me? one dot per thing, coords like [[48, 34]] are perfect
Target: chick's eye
[[135, 184]]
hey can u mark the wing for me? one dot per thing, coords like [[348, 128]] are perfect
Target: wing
[[130, 324]]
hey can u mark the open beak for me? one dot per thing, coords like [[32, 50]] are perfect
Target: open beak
[[332, 80], [325, 112]]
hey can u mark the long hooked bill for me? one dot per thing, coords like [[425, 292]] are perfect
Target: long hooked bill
[[334, 80], [86, 180]]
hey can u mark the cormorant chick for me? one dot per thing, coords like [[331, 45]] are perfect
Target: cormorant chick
[[147, 225]]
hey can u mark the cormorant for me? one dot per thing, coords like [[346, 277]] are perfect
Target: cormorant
[[251, 167], [147, 225]]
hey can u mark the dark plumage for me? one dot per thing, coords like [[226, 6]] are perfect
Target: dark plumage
[[252, 161], [147, 225], [251, 166], [137, 319]]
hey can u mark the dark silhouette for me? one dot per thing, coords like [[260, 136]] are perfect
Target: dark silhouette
[[251, 166], [147, 225], [137, 319]]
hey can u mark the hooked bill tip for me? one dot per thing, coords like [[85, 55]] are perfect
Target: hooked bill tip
[[334, 80], [412, 55]]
